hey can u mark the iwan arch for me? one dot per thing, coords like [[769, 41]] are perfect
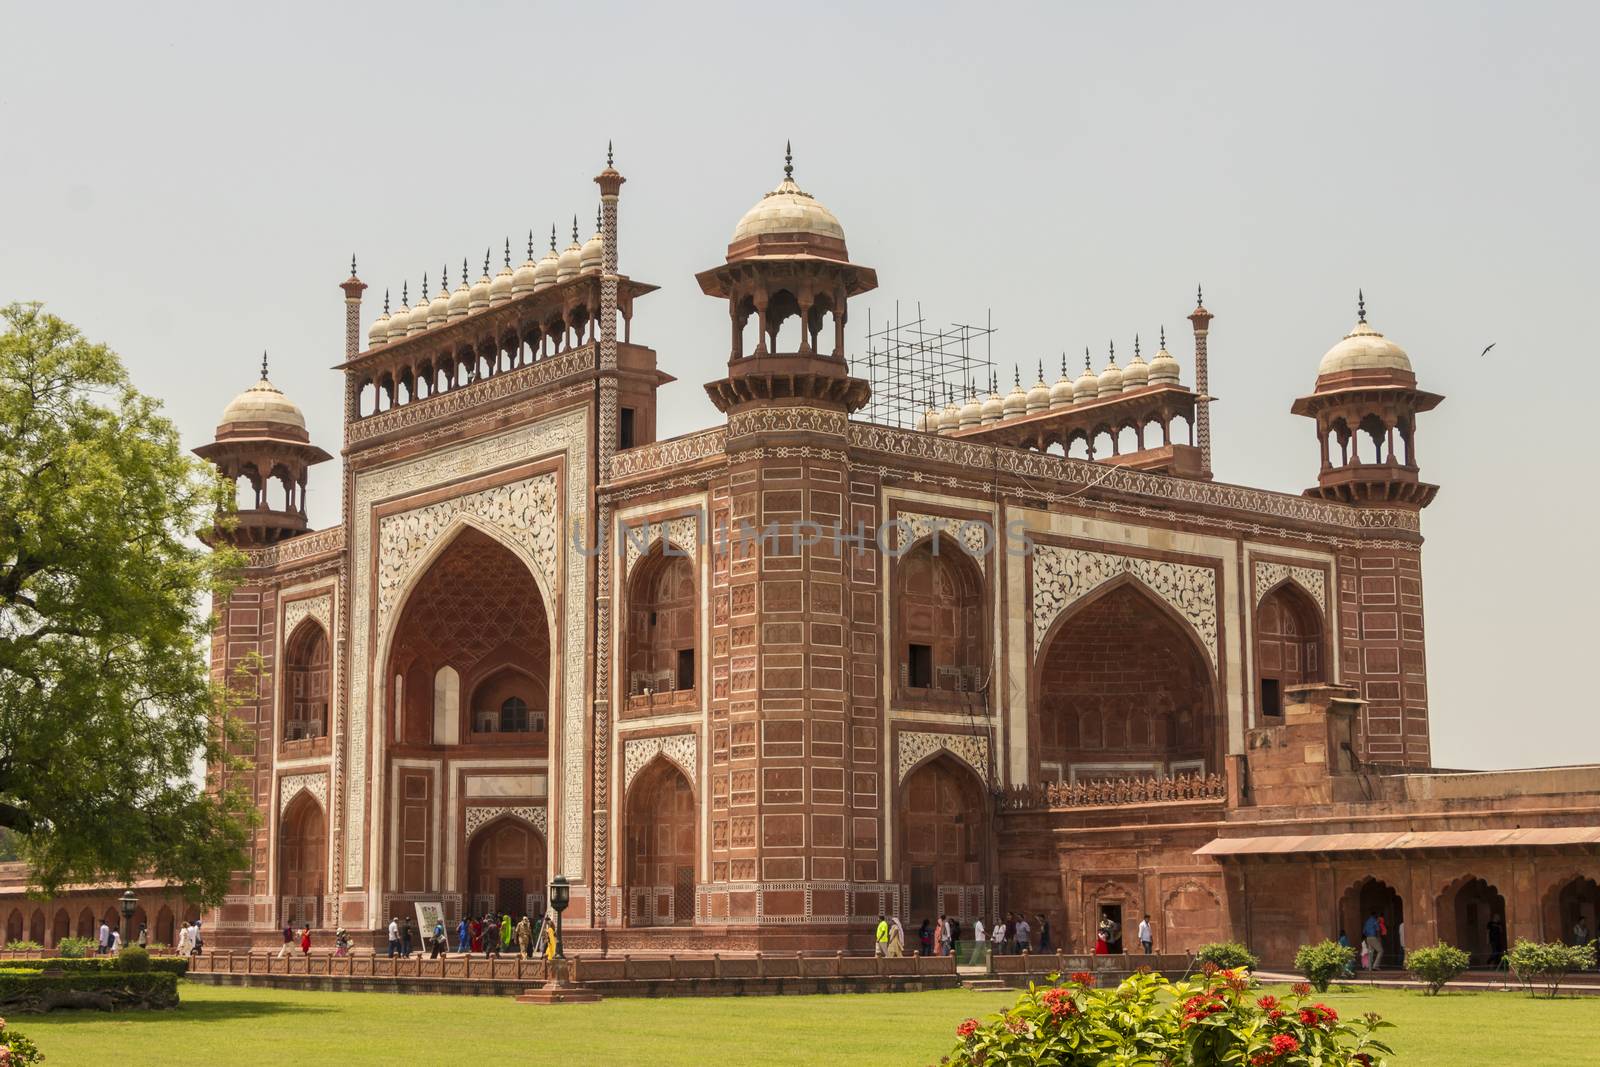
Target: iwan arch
[[1195, 699]]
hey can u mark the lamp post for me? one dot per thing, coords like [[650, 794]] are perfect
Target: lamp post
[[560, 897], [129, 903]]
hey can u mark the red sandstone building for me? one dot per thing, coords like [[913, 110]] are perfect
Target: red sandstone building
[[1087, 687]]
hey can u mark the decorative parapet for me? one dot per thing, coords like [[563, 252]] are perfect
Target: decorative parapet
[[296, 549], [456, 401], [1114, 791], [664, 455], [912, 445]]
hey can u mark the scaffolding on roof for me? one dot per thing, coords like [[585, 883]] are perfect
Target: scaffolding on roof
[[912, 365]]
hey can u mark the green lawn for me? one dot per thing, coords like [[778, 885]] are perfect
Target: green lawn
[[243, 1027]]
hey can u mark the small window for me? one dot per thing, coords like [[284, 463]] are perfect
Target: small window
[[919, 667], [514, 716], [1271, 697], [686, 668], [625, 429], [483, 721]]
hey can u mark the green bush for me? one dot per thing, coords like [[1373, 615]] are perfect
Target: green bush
[[1226, 955], [177, 965], [133, 958], [31, 991], [1323, 962], [1217, 1019], [75, 948], [1548, 964], [24, 946], [1437, 965]]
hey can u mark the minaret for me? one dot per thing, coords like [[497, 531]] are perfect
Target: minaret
[[353, 288], [1201, 318]]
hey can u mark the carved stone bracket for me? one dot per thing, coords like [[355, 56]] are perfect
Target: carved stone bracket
[[681, 749], [1310, 579], [1063, 576], [913, 745]]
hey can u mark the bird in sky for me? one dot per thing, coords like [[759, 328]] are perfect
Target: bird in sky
[[1485, 351]]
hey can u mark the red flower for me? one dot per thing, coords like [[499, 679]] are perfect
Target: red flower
[[1318, 1015], [1282, 1045], [1362, 1058], [1208, 968], [1301, 989], [1238, 980], [1267, 1003], [967, 1028], [1275, 1014], [1083, 978], [1059, 1002]]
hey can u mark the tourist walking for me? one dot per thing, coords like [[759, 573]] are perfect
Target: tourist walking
[[491, 937], [1044, 933], [1580, 932], [1146, 935], [525, 937], [198, 945], [116, 942], [941, 936], [182, 947], [288, 940], [341, 942], [144, 936], [1372, 940], [925, 938], [105, 937], [1102, 938], [394, 936], [506, 932], [1344, 942], [880, 937], [305, 941], [1024, 935], [463, 944], [439, 944], [897, 938], [980, 939], [997, 939], [405, 937]]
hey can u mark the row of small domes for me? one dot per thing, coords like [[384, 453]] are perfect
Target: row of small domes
[[1161, 370], [530, 277]]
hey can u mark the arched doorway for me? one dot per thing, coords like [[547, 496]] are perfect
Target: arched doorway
[[661, 624], [1472, 917], [506, 869], [939, 621], [1125, 690], [164, 927], [36, 927], [14, 926], [1288, 646], [1575, 900], [302, 862], [1369, 897], [943, 842], [61, 929], [306, 675], [87, 927], [661, 847]]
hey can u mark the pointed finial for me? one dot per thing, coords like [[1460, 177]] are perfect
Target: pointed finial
[[1361, 305], [1041, 370], [1135, 346], [444, 276], [463, 271], [1113, 345], [1086, 357], [608, 153], [263, 364], [1199, 296], [405, 293], [386, 301], [508, 253], [530, 245], [352, 264], [552, 237], [599, 218], [1063, 362], [788, 161], [1163, 337]]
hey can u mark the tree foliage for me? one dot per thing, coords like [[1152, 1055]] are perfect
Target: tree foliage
[[1226, 954], [106, 698]]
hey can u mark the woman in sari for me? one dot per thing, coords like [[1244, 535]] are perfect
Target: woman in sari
[[1102, 942], [897, 938], [305, 941], [506, 930], [925, 936], [477, 935], [549, 939]]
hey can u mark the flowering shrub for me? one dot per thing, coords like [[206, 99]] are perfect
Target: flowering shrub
[[1548, 963], [15, 1049], [1437, 965], [1323, 962], [1147, 1020]]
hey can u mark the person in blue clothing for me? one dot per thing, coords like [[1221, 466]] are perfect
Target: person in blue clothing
[[461, 937], [1344, 942]]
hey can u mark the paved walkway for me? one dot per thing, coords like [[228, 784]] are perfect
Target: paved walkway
[[1586, 984]]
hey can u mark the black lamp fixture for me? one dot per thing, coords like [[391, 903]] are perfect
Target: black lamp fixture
[[129, 902], [560, 897]]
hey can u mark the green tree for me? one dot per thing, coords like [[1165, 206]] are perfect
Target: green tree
[[106, 697]]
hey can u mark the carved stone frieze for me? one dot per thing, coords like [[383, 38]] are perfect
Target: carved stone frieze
[[664, 455], [973, 538], [1063, 576], [787, 419], [314, 607], [683, 534], [477, 818], [292, 785]]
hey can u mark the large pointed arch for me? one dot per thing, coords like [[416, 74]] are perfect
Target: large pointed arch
[[942, 840], [302, 856], [661, 835], [1123, 686]]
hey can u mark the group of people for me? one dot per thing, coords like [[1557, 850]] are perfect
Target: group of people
[[942, 937], [292, 940], [109, 939], [491, 935]]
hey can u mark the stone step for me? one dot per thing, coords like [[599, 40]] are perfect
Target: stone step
[[984, 985]]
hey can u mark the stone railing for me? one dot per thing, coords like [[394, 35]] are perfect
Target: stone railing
[[579, 968], [659, 456], [1112, 964], [1114, 791]]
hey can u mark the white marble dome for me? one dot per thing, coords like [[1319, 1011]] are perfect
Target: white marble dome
[[478, 298], [378, 332], [1016, 402], [570, 263], [544, 275], [400, 321], [1136, 375], [263, 402], [593, 254], [461, 299], [1364, 348], [1163, 368], [788, 209], [1087, 387]]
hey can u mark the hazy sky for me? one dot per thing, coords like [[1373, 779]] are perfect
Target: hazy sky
[[187, 182]]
